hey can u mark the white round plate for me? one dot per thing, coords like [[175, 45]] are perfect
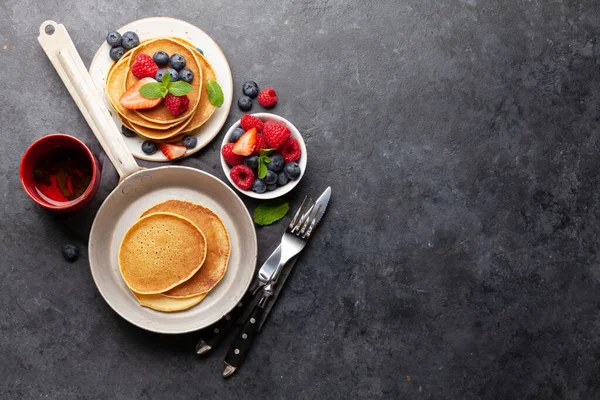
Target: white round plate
[[281, 190], [149, 28], [123, 207]]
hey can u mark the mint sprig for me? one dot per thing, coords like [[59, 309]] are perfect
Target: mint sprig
[[263, 160], [215, 93], [267, 213], [154, 90]]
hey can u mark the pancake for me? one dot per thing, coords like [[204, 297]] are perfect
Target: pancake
[[217, 241], [161, 302], [161, 135], [161, 114], [160, 251], [205, 110], [115, 87]]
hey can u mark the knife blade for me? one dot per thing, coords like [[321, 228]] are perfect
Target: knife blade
[[246, 335], [211, 336]]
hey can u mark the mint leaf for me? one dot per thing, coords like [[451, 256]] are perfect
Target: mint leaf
[[215, 93], [180, 88], [166, 79], [267, 213], [266, 152], [152, 90], [262, 168]]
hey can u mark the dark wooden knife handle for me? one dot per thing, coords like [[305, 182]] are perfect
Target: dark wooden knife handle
[[244, 338], [212, 335]]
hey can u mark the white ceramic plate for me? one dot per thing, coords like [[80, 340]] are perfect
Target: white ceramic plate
[[122, 208], [160, 27], [281, 190]]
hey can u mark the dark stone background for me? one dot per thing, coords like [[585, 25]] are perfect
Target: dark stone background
[[458, 259]]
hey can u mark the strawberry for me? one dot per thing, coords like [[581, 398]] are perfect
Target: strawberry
[[246, 144], [172, 151], [242, 176], [177, 104], [250, 121], [267, 97], [144, 67], [133, 100], [230, 157], [275, 133], [260, 144], [290, 150]]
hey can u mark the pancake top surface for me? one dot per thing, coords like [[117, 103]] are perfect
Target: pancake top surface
[[217, 241], [161, 251]]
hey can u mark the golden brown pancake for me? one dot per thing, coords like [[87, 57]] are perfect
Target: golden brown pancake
[[205, 110], [115, 87], [160, 251], [161, 302], [161, 114], [217, 241]]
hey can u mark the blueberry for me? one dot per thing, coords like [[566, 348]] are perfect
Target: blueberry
[[250, 89], [161, 72], [292, 170], [189, 141], [199, 50], [271, 187], [149, 147], [282, 179], [236, 135], [127, 132], [130, 40], [270, 178], [70, 252], [177, 61], [186, 75], [245, 103], [161, 58], [113, 39], [116, 53], [276, 163], [251, 161], [259, 186]]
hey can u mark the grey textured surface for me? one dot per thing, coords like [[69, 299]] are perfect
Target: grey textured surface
[[459, 259]]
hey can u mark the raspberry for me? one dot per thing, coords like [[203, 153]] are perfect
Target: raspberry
[[144, 67], [250, 121], [261, 144], [177, 104], [242, 176], [275, 134], [230, 157], [267, 97], [290, 150]]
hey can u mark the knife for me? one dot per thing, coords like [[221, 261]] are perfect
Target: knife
[[246, 335], [211, 336]]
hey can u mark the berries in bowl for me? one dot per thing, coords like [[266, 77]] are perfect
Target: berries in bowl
[[263, 155]]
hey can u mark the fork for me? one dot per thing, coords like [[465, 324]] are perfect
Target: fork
[[292, 242]]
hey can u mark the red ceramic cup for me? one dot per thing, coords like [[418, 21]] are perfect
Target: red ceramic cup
[[42, 146]]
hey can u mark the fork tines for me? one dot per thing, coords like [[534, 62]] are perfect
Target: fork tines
[[304, 221]]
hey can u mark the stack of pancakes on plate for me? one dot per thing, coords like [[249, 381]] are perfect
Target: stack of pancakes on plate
[[157, 123], [174, 254]]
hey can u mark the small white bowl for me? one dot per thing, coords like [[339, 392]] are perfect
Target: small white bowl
[[281, 190]]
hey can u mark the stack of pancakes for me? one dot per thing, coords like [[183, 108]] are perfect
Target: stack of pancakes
[[174, 254], [158, 124]]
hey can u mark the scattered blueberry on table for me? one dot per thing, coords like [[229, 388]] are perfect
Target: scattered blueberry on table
[[70, 252], [250, 89], [244, 103]]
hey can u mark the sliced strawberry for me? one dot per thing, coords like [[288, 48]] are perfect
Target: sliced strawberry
[[133, 100], [245, 145], [172, 151]]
